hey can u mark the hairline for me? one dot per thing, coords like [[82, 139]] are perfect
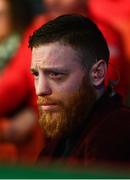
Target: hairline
[[78, 50]]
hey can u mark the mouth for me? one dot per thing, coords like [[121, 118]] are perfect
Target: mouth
[[49, 107]]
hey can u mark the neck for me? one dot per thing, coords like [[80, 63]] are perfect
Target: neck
[[100, 91]]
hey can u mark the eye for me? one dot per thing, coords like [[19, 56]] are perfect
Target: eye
[[35, 73], [56, 75]]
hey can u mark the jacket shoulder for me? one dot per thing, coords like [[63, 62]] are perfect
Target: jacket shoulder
[[109, 140]]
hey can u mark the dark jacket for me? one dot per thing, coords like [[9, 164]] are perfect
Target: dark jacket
[[105, 136]]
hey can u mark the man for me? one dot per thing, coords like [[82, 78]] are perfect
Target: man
[[10, 80], [81, 119]]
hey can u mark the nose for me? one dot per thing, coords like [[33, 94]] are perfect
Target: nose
[[42, 86]]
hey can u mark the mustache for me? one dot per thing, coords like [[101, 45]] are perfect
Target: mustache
[[47, 100]]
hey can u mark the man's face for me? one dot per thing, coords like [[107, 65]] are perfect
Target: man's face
[[64, 92]]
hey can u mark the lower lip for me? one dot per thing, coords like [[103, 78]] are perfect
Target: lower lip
[[49, 107]]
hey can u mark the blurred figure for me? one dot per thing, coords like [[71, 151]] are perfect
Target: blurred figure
[[17, 124], [12, 19], [37, 7]]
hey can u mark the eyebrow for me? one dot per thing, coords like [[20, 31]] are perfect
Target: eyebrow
[[47, 70], [33, 70]]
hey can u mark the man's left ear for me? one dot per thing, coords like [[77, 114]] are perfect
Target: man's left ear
[[98, 73]]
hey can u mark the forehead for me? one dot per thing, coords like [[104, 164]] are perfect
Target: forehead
[[54, 54]]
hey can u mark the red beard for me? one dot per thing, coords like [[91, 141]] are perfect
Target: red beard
[[69, 117]]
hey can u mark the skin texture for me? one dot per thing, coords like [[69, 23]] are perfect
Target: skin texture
[[65, 94]]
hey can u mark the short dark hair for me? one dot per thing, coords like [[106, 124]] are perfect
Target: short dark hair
[[77, 31]]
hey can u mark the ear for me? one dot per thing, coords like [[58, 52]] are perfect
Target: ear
[[98, 73]]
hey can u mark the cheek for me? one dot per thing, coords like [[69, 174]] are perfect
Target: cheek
[[74, 83], [68, 88], [35, 83]]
